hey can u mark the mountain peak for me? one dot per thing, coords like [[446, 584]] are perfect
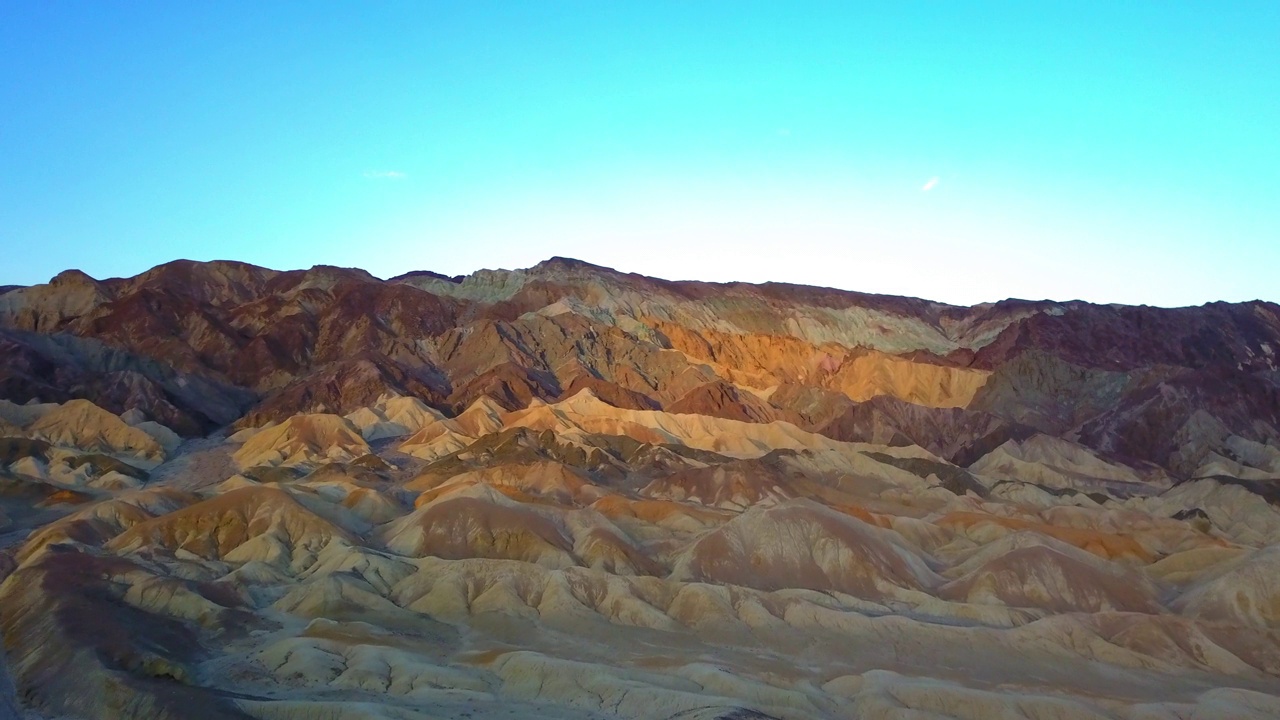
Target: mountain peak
[[71, 277], [557, 262]]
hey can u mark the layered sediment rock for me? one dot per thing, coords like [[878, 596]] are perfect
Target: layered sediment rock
[[569, 492]]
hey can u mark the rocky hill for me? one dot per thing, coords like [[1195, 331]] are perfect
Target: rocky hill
[[567, 491]]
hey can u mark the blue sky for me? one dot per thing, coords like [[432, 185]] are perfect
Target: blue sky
[[965, 152]]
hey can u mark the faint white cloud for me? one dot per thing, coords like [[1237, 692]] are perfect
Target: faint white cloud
[[931, 184], [385, 175]]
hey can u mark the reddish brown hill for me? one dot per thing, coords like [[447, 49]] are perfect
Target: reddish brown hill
[[612, 393], [725, 400], [1117, 337], [194, 344]]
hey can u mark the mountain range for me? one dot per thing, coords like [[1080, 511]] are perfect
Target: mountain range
[[568, 491]]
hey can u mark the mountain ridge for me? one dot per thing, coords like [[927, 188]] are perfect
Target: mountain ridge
[[516, 335], [565, 491]]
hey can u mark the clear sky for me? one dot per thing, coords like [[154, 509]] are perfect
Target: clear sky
[[960, 151]]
